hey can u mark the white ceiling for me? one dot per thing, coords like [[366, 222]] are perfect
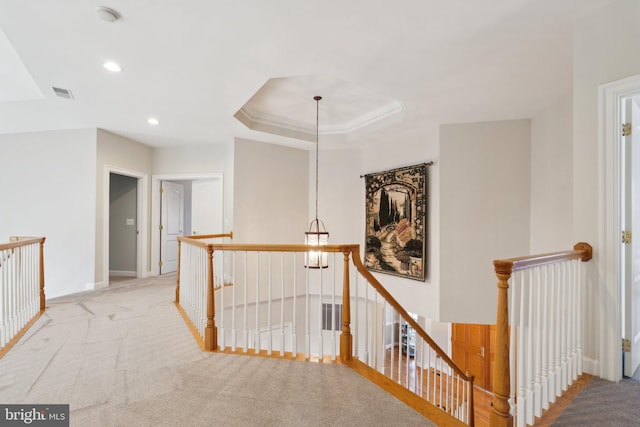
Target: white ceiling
[[194, 64]]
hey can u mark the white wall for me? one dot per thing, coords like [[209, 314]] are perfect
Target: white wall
[[116, 151], [417, 297], [341, 194], [602, 46], [484, 212], [552, 178], [271, 189], [48, 189]]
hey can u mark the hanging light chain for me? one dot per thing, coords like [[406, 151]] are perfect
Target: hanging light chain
[[317, 98]]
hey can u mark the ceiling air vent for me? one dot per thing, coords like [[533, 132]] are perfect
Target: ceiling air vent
[[62, 93]]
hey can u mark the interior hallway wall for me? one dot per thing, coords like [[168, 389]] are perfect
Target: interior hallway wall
[[552, 178], [49, 190], [602, 41], [271, 190], [116, 151], [485, 212]]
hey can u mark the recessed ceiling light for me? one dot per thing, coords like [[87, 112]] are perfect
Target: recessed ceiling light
[[153, 121], [112, 66]]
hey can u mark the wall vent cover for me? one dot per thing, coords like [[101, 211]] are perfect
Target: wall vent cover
[[62, 93]]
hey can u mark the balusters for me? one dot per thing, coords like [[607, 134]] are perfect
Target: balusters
[[21, 286]]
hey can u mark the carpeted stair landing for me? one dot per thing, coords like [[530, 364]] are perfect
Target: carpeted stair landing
[[123, 356]]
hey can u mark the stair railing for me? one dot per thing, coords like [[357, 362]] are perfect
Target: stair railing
[[22, 298], [263, 300], [538, 350]]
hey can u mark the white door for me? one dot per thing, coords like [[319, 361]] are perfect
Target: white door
[[206, 206], [631, 251], [171, 224]]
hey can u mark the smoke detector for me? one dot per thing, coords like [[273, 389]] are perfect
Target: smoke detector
[[108, 14]]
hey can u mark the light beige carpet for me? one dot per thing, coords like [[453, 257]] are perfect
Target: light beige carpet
[[123, 356]]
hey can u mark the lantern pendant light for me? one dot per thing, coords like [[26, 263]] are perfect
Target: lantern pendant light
[[317, 234]]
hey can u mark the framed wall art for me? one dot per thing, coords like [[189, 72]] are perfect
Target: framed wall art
[[396, 221]]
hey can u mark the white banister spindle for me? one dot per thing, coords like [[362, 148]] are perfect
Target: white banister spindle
[[558, 331], [580, 285], [544, 328], [366, 325], [269, 308], [574, 314], [521, 364], [307, 338], [245, 309], [355, 320], [375, 330], [529, 349], [294, 340], [320, 300], [256, 332], [563, 328], [514, 314], [234, 336], [218, 260], [334, 327], [537, 385], [282, 300], [383, 355]]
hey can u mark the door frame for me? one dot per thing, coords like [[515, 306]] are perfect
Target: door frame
[[141, 212], [610, 286], [156, 179]]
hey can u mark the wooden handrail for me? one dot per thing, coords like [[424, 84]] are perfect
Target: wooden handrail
[[21, 241], [581, 251], [270, 247], [500, 412], [357, 262], [346, 337]]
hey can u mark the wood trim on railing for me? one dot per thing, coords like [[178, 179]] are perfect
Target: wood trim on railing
[[21, 241], [43, 300], [269, 248], [582, 251], [210, 331], [500, 413], [178, 273]]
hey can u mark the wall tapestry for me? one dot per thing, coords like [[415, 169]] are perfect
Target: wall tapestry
[[396, 221]]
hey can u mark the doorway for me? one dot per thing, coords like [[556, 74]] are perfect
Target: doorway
[[124, 180], [630, 246], [615, 304], [123, 227], [202, 212]]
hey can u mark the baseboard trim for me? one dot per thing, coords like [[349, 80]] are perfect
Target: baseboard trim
[[591, 366], [122, 273]]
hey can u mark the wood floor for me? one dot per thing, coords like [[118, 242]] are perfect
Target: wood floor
[[481, 398]]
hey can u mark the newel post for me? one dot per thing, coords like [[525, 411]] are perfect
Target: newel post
[[178, 275], [346, 339], [43, 302], [500, 413], [210, 331]]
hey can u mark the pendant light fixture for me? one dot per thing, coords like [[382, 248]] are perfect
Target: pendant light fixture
[[317, 234]]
